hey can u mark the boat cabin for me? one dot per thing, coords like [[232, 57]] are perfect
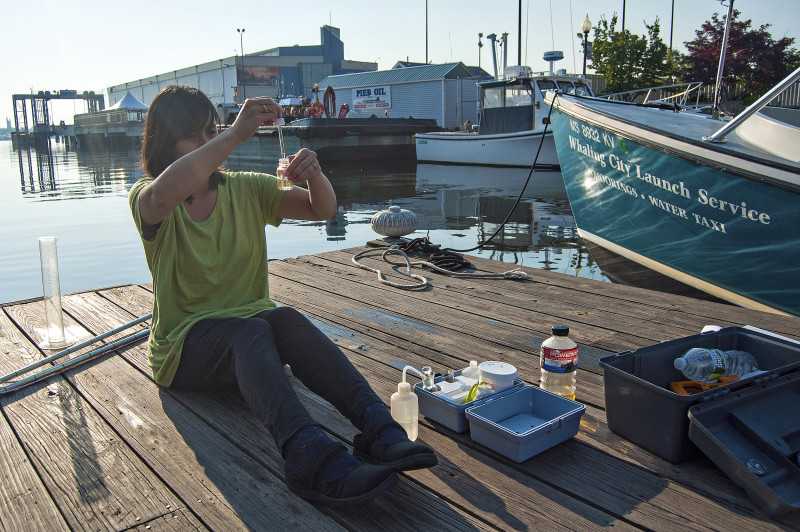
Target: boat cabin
[[511, 105]]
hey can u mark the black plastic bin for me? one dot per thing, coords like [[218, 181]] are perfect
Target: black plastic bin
[[641, 408]]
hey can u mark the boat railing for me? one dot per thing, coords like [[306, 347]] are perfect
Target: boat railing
[[676, 93], [725, 130]]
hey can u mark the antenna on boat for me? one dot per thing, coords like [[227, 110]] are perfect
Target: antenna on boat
[[718, 87], [553, 56]]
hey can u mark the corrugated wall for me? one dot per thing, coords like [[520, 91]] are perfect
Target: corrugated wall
[[217, 84], [421, 99]]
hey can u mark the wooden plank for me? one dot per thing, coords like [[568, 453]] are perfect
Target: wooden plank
[[462, 337], [373, 340], [596, 431], [674, 310], [518, 510], [584, 472], [556, 300], [469, 314], [94, 479], [25, 503], [634, 480], [229, 416], [201, 466]]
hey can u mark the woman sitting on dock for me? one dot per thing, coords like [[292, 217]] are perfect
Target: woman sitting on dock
[[214, 325]]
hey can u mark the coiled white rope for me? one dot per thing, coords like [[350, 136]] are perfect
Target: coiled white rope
[[515, 274]]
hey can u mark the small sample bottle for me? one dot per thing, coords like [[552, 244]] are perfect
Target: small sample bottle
[[559, 362], [283, 181]]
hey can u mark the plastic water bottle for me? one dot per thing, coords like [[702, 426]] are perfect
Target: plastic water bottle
[[405, 409], [559, 362], [706, 365]]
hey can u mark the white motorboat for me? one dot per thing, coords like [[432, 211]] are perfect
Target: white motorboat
[[513, 125]]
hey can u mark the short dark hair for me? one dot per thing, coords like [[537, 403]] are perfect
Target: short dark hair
[[176, 113]]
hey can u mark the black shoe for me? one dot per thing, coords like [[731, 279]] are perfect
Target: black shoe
[[363, 483], [400, 456]]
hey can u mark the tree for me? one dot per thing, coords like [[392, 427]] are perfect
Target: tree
[[628, 61], [754, 61]]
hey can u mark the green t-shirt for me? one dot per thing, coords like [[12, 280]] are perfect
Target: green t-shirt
[[211, 269]]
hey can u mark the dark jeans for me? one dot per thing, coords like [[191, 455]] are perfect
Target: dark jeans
[[251, 352]]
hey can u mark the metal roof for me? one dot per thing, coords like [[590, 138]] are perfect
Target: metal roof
[[398, 75]]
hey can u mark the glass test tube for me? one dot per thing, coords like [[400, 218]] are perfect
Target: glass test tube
[[283, 162]]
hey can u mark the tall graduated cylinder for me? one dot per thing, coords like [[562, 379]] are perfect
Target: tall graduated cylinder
[[52, 292], [559, 362]]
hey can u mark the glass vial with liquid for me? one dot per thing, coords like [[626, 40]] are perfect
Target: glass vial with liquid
[[559, 362], [280, 173]]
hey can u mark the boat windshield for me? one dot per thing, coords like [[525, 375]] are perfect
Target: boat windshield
[[546, 85], [507, 96], [567, 87]]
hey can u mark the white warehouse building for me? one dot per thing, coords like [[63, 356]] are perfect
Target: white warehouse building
[[447, 93]]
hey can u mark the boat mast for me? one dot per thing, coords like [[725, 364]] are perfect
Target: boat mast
[[718, 87], [519, 33], [493, 38]]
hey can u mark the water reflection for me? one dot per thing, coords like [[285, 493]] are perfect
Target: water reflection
[[45, 168], [98, 173], [81, 197]]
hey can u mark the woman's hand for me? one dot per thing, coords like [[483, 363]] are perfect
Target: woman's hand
[[253, 113], [318, 200], [303, 166]]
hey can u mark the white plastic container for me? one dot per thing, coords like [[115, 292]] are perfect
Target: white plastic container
[[471, 372], [499, 374], [405, 409]]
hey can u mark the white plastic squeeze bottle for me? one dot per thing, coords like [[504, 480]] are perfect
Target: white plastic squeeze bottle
[[405, 407]]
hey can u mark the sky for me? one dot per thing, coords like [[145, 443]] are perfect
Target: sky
[[82, 45]]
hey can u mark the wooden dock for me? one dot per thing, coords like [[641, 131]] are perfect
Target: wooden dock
[[103, 448]]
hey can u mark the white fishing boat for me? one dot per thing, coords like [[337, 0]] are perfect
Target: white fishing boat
[[512, 129], [714, 204]]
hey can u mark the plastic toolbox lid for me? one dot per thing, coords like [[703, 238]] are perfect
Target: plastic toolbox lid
[[753, 435]]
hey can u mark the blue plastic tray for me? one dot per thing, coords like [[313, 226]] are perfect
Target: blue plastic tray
[[524, 422]]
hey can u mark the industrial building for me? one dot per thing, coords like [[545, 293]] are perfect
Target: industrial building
[[277, 72], [447, 93]]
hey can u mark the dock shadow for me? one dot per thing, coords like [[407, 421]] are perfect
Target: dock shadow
[[243, 463], [576, 480]]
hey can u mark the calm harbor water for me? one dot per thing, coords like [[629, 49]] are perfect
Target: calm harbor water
[[81, 198]]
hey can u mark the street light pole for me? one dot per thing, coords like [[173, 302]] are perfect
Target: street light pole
[[241, 48], [586, 27]]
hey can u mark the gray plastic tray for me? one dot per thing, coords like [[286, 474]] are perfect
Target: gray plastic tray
[[525, 422]]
